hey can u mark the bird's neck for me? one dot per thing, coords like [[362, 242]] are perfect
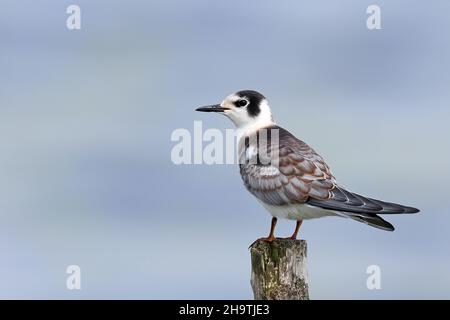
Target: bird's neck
[[251, 128], [263, 119]]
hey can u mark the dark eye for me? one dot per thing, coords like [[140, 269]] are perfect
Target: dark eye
[[242, 103]]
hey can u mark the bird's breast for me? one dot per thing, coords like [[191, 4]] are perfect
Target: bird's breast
[[297, 211]]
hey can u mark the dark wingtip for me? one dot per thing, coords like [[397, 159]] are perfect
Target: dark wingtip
[[387, 226], [411, 210]]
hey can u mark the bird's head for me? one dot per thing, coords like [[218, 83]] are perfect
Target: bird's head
[[247, 109]]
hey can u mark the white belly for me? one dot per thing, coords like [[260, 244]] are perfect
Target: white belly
[[297, 211]]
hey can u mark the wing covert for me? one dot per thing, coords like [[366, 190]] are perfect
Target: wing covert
[[294, 173]]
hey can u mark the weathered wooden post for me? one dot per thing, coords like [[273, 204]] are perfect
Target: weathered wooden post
[[279, 270]]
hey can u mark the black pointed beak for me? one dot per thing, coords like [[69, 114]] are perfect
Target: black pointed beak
[[212, 108]]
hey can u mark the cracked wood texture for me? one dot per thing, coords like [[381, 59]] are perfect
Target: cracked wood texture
[[279, 270]]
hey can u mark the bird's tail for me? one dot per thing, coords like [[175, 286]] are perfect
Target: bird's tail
[[370, 219], [360, 208]]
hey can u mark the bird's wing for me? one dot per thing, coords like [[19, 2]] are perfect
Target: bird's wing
[[343, 200], [295, 174]]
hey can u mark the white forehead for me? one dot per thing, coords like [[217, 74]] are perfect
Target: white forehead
[[232, 97]]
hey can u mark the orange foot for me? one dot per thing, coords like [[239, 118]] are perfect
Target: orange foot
[[265, 239], [290, 238]]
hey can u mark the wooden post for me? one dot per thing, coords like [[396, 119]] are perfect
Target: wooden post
[[279, 270]]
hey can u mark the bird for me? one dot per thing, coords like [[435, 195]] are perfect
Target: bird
[[290, 179]]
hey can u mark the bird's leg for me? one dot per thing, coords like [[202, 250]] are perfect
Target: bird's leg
[[271, 236], [297, 227]]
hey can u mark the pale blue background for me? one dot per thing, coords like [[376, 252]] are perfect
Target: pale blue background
[[85, 124]]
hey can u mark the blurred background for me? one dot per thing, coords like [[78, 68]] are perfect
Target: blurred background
[[86, 117]]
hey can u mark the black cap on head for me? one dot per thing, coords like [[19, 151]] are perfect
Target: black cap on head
[[254, 98]]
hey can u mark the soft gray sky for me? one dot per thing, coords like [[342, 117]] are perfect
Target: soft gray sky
[[85, 124]]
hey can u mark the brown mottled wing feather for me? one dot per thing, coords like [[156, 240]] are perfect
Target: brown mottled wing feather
[[296, 173]]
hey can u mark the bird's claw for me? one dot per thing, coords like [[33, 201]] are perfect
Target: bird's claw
[[289, 238], [264, 239]]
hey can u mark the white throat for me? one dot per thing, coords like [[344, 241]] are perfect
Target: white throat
[[246, 125]]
